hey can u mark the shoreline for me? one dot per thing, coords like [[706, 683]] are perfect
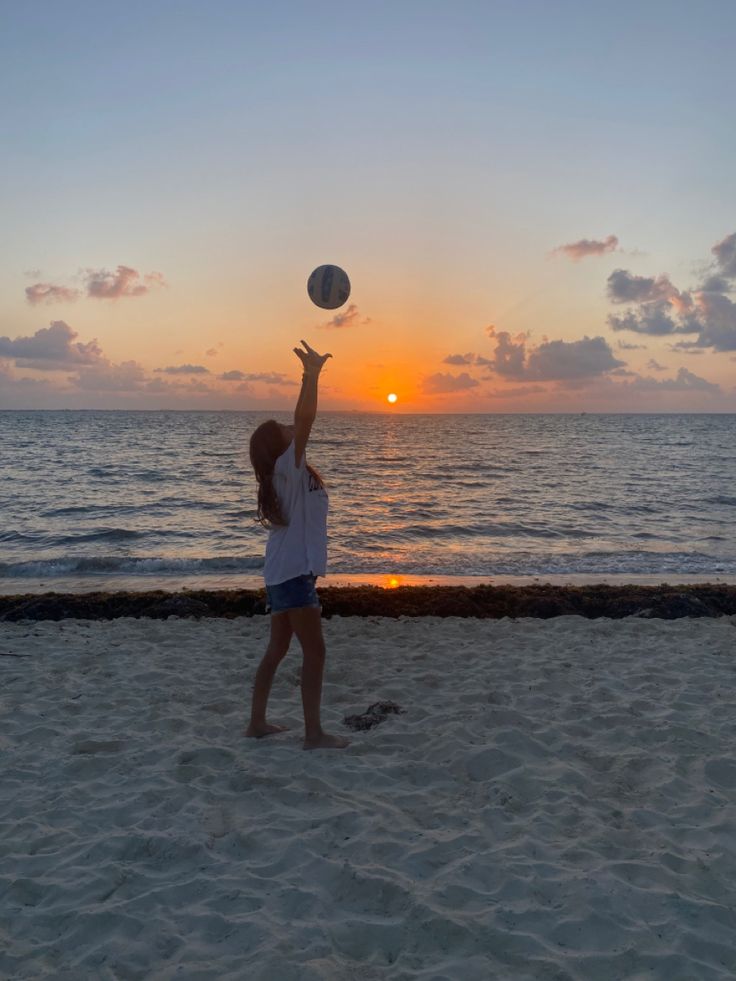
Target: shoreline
[[542, 600], [85, 584]]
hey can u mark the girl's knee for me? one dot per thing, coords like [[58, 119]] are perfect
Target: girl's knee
[[276, 653]]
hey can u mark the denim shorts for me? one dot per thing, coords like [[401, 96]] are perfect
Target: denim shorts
[[292, 594]]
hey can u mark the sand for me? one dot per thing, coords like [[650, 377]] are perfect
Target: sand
[[557, 801]]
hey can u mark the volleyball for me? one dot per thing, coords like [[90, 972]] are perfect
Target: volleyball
[[328, 287]]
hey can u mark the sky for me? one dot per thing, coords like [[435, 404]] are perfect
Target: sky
[[535, 204]]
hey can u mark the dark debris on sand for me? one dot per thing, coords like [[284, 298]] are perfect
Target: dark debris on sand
[[488, 602], [373, 716]]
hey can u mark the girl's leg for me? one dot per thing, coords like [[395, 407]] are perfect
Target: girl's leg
[[307, 625], [278, 645]]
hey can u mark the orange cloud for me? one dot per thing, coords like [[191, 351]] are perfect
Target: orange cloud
[[443, 384], [350, 318], [49, 293], [587, 247], [125, 281]]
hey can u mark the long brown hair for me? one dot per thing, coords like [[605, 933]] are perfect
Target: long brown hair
[[266, 446]]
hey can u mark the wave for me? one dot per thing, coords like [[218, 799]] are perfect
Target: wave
[[537, 565], [102, 535], [13, 537], [115, 510], [116, 472], [130, 566], [427, 531]]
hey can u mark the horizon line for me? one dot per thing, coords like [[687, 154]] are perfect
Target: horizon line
[[389, 412]]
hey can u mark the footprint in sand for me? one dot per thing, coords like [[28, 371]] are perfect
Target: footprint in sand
[[91, 746], [721, 772], [206, 756]]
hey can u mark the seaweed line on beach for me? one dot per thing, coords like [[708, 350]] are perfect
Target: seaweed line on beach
[[485, 602]]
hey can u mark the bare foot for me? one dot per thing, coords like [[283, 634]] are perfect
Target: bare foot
[[326, 741], [258, 732]]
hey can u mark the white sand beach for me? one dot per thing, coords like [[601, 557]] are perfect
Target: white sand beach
[[558, 801]]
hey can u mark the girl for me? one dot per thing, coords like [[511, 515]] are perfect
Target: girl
[[292, 504]]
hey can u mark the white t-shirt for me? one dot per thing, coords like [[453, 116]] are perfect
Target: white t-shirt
[[300, 547]]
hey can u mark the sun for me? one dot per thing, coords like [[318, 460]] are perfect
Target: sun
[[392, 397]]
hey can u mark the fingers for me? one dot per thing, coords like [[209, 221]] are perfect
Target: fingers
[[311, 357], [310, 350]]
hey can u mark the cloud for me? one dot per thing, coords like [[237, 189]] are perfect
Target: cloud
[[48, 293], [510, 353], [129, 376], [655, 365], [725, 253], [658, 308], [79, 376], [624, 287], [463, 359], [18, 391], [269, 377], [443, 384], [197, 385], [562, 360], [125, 281], [587, 247], [653, 320], [685, 381], [623, 346], [716, 284], [572, 363], [715, 321], [98, 284], [710, 315], [459, 359], [350, 318], [211, 352], [159, 385], [517, 393], [551, 360], [184, 369], [687, 347], [52, 345]]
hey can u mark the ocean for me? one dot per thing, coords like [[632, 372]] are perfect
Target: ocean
[[145, 499]]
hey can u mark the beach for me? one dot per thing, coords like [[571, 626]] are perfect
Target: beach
[[556, 800], [430, 308]]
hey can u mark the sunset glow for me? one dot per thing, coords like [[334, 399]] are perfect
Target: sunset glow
[[605, 293]]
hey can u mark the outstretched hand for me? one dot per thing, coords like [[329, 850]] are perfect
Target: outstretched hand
[[312, 361]]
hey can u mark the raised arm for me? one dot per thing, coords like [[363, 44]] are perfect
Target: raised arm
[[306, 407]]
